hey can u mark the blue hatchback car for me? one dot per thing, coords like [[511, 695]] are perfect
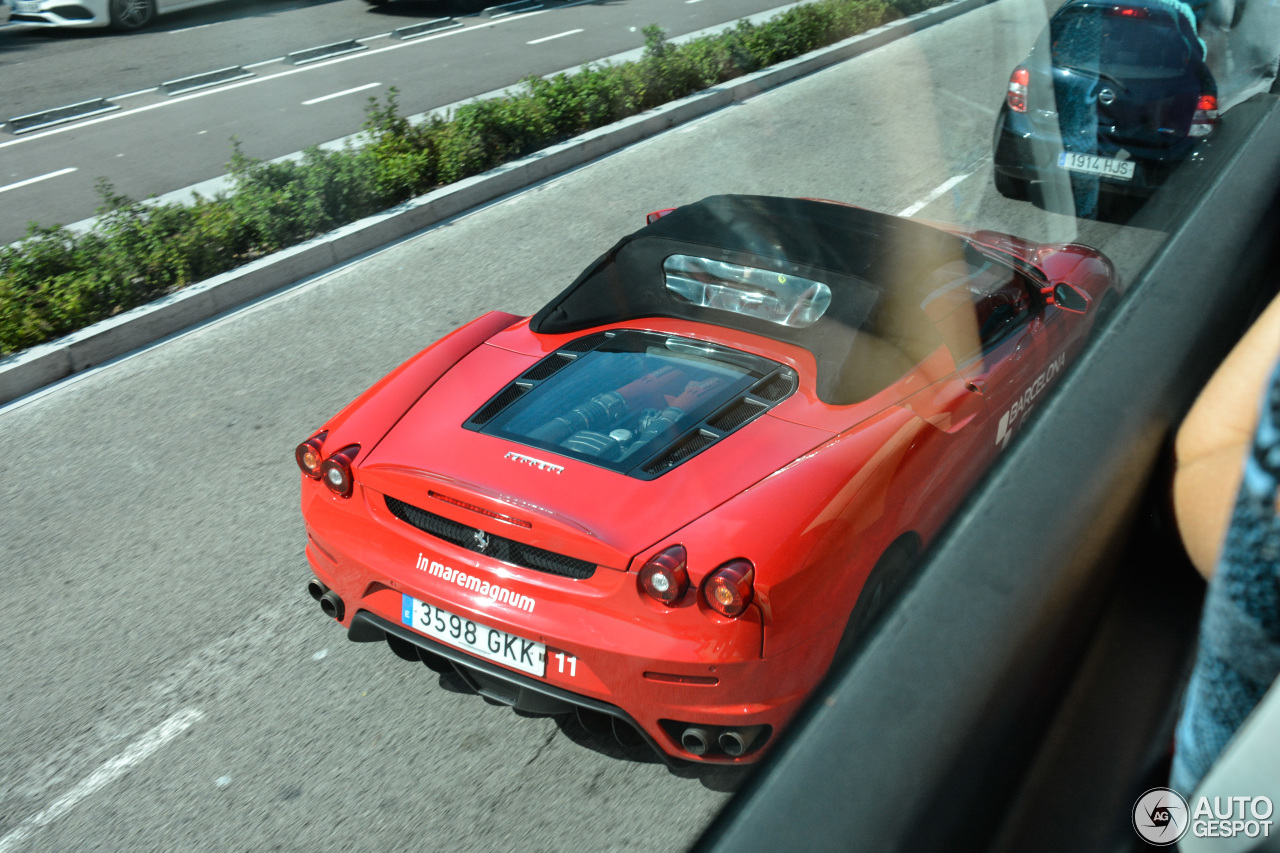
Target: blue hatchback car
[[1113, 95]]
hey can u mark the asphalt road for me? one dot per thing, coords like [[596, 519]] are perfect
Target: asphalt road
[[165, 682], [155, 143]]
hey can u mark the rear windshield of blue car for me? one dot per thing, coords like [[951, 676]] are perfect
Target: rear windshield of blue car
[[1100, 39]]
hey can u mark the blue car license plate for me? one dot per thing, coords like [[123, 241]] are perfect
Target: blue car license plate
[[1091, 164]]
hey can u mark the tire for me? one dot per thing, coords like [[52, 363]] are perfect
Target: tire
[[129, 15], [1105, 310], [1011, 187], [1225, 14], [884, 584]]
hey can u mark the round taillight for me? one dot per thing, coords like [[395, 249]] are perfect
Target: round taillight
[[665, 576], [309, 454], [728, 589], [335, 471]]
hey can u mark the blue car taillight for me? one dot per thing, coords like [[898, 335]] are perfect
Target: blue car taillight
[[1206, 115], [1017, 94]]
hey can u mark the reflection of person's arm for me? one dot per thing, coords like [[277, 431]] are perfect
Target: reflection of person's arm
[[1213, 440]]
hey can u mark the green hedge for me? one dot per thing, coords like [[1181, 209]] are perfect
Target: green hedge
[[55, 282]]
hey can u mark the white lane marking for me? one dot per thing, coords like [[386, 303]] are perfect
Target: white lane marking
[[556, 36], [300, 70], [29, 181], [687, 2], [196, 27], [135, 94], [937, 193], [137, 752], [340, 94]]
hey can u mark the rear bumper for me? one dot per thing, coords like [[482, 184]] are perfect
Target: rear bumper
[[657, 669], [521, 692], [1023, 151]]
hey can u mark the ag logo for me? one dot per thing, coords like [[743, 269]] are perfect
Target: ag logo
[[482, 541], [1160, 816]]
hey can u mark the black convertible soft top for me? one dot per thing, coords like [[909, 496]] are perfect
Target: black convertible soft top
[[879, 269]]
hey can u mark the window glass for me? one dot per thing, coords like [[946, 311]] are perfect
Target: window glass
[[1098, 38], [973, 162], [626, 400]]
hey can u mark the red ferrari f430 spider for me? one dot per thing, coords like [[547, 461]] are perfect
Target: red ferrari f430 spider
[[678, 492]]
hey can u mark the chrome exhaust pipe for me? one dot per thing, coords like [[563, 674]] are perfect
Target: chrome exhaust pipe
[[316, 589], [735, 742], [331, 604], [696, 740]]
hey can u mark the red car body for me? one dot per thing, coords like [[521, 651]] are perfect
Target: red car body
[[762, 467]]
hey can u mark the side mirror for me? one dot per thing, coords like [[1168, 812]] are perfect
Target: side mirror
[[1068, 297]]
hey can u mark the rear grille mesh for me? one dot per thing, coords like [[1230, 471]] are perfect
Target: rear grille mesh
[[683, 451], [737, 415], [546, 367], [498, 403], [497, 547], [780, 385], [588, 343]]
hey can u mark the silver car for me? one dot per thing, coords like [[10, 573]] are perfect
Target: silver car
[[118, 14]]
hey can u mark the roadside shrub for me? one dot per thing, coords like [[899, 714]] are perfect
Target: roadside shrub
[[280, 204], [54, 281]]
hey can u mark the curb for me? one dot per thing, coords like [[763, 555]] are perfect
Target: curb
[[34, 368], [324, 51], [205, 80], [511, 8], [48, 118], [415, 30]]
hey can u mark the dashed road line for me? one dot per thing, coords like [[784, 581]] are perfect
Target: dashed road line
[[137, 752], [29, 181], [323, 98], [298, 70], [556, 36], [937, 192]]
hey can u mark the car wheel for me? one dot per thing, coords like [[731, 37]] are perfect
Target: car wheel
[[885, 582], [131, 14], [1011, 187]]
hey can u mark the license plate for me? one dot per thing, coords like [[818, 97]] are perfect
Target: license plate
[[27, 6], [1093, 165], [480, 640]]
